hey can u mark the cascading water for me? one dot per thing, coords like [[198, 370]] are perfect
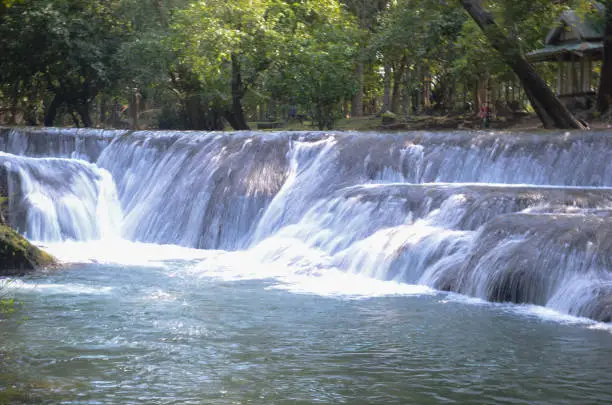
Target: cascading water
[[205, 191], [54, 199], [504, 217], [84, 144]]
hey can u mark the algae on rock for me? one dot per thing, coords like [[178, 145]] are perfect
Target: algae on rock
[[17, 255]]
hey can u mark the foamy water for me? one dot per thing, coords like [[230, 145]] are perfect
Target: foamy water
[[43, 287], [311, 267], [121, 252], [287, 264]]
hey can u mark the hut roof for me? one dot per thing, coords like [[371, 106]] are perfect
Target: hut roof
[[574, 34], [565, 51]]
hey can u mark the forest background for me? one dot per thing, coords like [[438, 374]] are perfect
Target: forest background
[[216, 64]]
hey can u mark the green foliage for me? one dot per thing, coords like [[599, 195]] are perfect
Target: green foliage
[[7, 302], [5, 4], [67, 47], [198, 62], [7, 307], [294, 52], [3, 208], [315, 67]]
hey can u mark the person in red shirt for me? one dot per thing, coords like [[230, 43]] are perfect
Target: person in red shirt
[[485, 115]]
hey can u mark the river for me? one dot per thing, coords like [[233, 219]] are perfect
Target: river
[[302, 268]]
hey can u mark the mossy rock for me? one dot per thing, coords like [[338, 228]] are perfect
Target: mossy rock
[[18, 256], [388, 118]]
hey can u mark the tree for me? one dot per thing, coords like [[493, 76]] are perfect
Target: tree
[[202, 64], [227, 45], [549, 108], [150, 66], [431, 33], [68, 45], [5, 4], [20, 44], [319, 68], [315, 66], [366, 12], [241, 46]]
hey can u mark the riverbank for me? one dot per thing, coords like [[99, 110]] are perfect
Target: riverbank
[[523, 122], [517, 122]]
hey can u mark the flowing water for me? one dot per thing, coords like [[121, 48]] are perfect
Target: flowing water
[[310, 268]]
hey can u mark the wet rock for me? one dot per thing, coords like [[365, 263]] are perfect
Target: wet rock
[[18, 256]]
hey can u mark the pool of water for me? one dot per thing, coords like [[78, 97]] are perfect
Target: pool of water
[[310, 268], [185, 329]]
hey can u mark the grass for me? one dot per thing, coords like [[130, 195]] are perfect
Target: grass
[[368, 123]]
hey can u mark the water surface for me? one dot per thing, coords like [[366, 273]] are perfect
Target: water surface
[[174, 332]]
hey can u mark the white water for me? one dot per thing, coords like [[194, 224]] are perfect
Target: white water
[[524, 219]]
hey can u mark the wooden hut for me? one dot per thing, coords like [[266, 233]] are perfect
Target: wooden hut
[[574, 44]]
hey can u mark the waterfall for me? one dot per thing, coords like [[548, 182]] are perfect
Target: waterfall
[[55, 199], [205, 191], [84, 144], [506, 217]]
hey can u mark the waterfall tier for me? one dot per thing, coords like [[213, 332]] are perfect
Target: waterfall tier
[[523, 218]]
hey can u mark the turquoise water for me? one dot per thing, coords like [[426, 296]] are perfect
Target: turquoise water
[[174, 333]]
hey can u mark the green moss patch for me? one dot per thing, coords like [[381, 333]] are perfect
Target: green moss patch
[[18, 256]]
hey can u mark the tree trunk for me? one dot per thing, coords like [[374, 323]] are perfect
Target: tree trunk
[[75, 119], [235, 115], [476, 97], [482, 92], [604, 94], [83, 110], [507, 92], [387, 88], [14, 102], [51, 112], [426, 83], [194, 115], [405, 93], [419, 88], [549, 108], [115, 115], [134, 109], [398, 74], [357, 101], [104, 101], [161, 11]]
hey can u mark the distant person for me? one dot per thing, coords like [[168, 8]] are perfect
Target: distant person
[[485, 115]]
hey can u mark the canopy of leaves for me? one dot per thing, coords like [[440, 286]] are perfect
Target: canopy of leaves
[[254, 55]]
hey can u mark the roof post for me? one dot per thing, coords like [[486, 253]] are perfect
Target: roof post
[[559, 75]]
